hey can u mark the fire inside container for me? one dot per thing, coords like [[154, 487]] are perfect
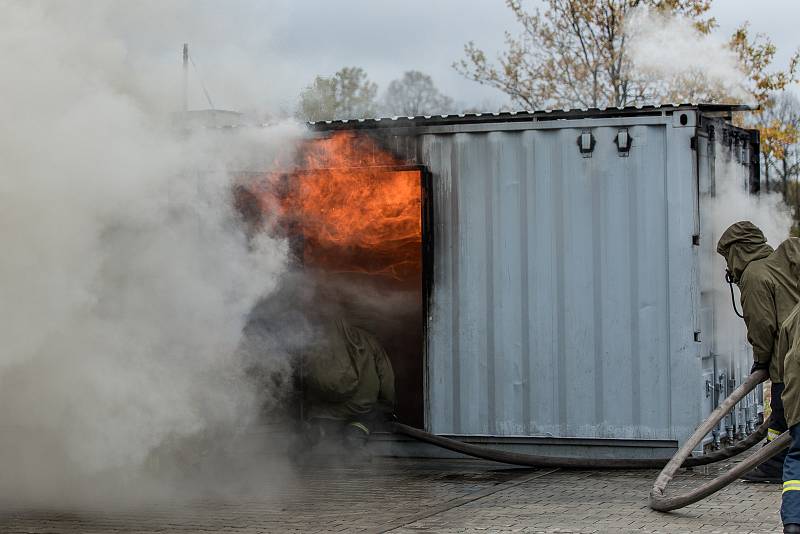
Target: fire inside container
[[354, 217]]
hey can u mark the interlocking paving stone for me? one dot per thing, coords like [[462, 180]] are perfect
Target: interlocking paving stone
[[412, 496]]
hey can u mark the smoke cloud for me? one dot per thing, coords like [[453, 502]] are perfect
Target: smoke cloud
[[126, 277], [733, 203], [669, 48]]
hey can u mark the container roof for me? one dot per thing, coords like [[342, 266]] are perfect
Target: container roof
[[724, 110]]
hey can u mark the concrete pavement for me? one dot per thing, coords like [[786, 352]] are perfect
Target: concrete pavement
[[407, 495]]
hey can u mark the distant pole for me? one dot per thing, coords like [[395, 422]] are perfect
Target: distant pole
[[185, 77]]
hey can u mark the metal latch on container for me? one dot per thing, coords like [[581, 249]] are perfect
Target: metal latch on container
[[623, 142], [586, 143]]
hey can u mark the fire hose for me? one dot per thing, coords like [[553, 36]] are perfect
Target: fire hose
[[658, 498], [660, 501], [570, 462]]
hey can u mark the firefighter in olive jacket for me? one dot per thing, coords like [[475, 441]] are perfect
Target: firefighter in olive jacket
[[349, 384], [789, 342], [769, 292]]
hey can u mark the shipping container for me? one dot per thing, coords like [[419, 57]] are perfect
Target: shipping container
[[570, 297]]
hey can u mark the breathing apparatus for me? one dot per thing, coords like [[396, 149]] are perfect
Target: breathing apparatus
[[730, 279]]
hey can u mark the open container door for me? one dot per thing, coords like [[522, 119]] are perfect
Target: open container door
[[356, 218]]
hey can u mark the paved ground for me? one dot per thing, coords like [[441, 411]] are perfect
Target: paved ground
[[412, 496]]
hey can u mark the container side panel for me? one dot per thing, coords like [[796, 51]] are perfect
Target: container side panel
[[543, 198], [650, 328], [578, 296], [707, 253], [509, 169], [684, 370], [472, 165], [613, 245], [444, 380]]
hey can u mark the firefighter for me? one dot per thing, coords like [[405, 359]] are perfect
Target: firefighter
[[349, 385], [789, 341], [334, 378], [769, 292]]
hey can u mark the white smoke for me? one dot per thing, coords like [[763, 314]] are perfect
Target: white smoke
[[733, 203], [125, 275], [670, 48]]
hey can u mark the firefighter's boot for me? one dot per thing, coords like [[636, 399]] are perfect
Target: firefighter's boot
[[769, 472], [355, 439]]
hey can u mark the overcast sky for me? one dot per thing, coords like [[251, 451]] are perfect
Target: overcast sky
[[277, 47]]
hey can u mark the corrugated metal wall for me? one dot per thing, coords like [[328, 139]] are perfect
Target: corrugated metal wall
[[564, 287]]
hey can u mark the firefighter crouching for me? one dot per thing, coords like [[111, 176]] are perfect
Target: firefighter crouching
[[769, 292], [330, 378], [349, 388]]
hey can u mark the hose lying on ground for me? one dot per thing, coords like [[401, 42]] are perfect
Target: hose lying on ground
[[660, 501], [530, 460], [664, 503]]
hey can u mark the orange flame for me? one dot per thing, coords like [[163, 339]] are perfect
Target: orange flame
[[354, 208]]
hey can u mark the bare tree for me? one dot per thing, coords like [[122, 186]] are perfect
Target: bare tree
[[572, 53], [347, 94], [415, 94]]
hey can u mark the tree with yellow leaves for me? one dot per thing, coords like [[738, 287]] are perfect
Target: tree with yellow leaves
[[778, 116]]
